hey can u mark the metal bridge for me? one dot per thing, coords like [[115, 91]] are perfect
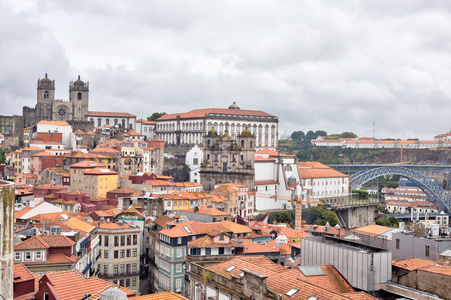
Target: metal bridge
[[415, 173]]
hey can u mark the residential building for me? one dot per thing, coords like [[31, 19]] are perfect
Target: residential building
[[205, 214], [47, 253], [193, 160], [146, 128], [227, 160], [373, 143], [257, 277], [171, 250], [241, 201], [191, 127], [92, 178], [46, 126], [119, 253]]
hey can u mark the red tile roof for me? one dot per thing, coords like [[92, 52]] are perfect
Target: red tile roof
[[207, 211], [57, 123], [200, 113], [413, 263], [44, 241], [110, 114]]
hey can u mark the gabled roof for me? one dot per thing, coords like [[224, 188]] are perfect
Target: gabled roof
[[372, 230], [413, 263], [87, 164], [21, 273], [73, 284], [78, 224], [320, 173], [100, 171], [44, 241], [207, 211]]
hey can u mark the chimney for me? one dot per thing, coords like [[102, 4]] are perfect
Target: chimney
[[143, 193]]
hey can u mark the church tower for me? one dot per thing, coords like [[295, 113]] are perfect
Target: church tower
[[46, 95], [79, 98]]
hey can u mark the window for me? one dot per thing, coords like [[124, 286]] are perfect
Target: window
[[116, 254], [127, 282], [179, 252], [195, 161], [116, 240], [291, 292], [105, 269], [122, 240], [427, 251], [46, 94], [397, 243], [122, 269], [108, 121], [179, 268], [129, 240], [17, 256], [135, 239], [115, 121], [221, 237], [79, 96], [106, 241], [129, 253], [105, 253], [28, 255], [135, 253], [179, 240], [39, 255], [178, 284], [46, 296], [122, 253], [115, 269], [134, 268], [99, 122], [133, 281], [121, 282]]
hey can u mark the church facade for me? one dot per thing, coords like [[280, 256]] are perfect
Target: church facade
[[74, 111]]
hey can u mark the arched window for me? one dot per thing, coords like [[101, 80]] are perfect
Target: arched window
[[251, 145], [92, 120], [115, 121], [208, 143], [108, 121], [99, 122], [242, 143], [79, 96], [46, 94]]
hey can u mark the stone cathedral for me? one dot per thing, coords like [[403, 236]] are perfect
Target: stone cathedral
[[48, 108]]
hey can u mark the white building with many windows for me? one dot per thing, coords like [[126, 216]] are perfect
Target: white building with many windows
[[190, 128], [100, 118], [322, 183]]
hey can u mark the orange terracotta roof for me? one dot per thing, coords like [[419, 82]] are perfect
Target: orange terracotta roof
[[100, 171], [109, 225], [78, 224], [235, 227], [438, 269], [72, 284], [132, 133], [263, 159], [121, 191], [44, 241], [320, 173], [207, 241], [21, 273], [133, 210], [200, 113], [413, 263], [57, 123], [110, 114], [87, 164], [79, 132], [372, 230], [159, 183], [207, 211], [265, 182], [160, 296], [312, 164]]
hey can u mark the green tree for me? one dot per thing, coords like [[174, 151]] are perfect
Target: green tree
[[362, 194], [347, 135], [2, 156], [155, 116], [320, 133], [330, 217], [297, 135]]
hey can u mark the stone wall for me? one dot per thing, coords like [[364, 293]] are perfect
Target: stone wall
[[7, 191], [357, 216]]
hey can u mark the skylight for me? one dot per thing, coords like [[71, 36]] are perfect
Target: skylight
[[92, 165], [291, 292], [313, 298], [230, 268], [105, 171], [241, 275], [187, 229]]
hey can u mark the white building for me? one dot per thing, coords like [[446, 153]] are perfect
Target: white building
[[56, 126], [277, 180], [324, 184], [373, 143], [193, 160], [100, 118], [190, 127], [146, 128]]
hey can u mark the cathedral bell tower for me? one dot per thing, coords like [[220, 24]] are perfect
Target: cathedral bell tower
[[79, 98], [46, 95]]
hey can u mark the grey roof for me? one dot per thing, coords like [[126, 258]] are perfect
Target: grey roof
[[113, 293], [312, 270]]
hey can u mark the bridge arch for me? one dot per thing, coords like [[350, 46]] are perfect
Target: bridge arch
[[436, 194]]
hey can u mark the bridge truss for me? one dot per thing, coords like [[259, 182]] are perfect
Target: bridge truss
[[434, 191]]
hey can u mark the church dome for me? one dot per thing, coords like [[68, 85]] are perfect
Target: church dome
[[234, 106], [246, 133], [79, 82], [212, 132]]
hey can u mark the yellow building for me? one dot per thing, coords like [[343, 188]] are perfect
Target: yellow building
[[92, 178], [175, 203], [100, 181], [17, 156]]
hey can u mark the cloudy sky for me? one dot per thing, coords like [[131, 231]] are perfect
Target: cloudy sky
[[330, 65]]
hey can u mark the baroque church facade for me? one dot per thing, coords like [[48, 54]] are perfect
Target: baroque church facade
[[74, 111]]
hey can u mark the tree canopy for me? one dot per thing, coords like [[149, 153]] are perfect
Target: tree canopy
[[155, 116]]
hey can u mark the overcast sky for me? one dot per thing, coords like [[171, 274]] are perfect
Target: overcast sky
[[330, 65]]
